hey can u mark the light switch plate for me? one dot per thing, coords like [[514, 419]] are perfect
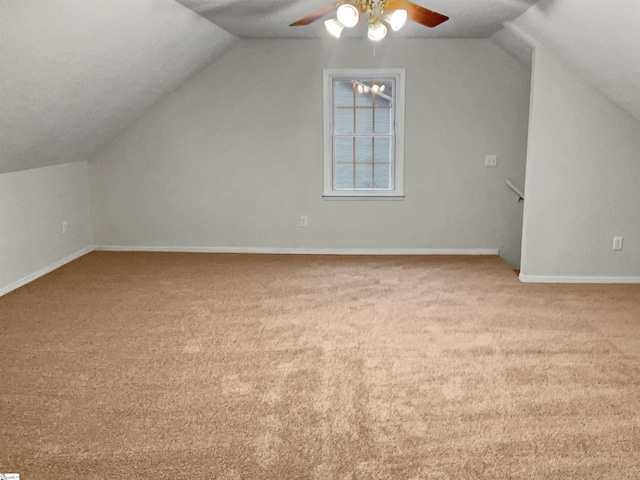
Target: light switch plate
[[617, 244]]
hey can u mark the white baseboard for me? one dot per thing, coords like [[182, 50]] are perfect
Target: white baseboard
[[575, 279], [315, 251], [43, 271], [304, 251]]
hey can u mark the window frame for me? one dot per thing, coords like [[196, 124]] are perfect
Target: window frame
[[397, 75]]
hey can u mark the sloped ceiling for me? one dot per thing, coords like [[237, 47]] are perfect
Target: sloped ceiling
[[271, 18], [74, 73], [600, 39], [514, 44]]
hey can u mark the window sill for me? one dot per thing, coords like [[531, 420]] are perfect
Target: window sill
[[363, 196]]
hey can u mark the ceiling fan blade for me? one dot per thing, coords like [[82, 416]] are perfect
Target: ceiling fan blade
[[315, 16], [418, 14]]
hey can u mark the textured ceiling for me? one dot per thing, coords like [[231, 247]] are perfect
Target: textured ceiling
[[75, 73], [514, 44], [600, 39], [271, 18]]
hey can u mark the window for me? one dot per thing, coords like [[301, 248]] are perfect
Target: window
[[363, 133]]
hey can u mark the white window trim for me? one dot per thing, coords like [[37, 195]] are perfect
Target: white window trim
[[365, 74]]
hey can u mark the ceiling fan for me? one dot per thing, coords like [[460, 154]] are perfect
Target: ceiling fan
[[393, 12]]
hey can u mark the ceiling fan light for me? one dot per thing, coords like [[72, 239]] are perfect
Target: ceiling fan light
[[334, 27], [348, 15], [377, 31], [395, 18]]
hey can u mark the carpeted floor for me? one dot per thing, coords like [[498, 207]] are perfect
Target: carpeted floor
[[205, 366]]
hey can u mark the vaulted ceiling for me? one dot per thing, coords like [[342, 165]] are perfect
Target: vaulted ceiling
[[600, 39], [271, 18], [74, 73]]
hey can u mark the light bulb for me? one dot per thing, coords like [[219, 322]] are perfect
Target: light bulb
[[395, 18], [334, 27], [360, 89], [377, 32], [381, 88], [375, 88], [348, 15]]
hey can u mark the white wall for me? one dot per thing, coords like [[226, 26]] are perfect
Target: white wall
[[234, 157], [33, 205], [582, 183]]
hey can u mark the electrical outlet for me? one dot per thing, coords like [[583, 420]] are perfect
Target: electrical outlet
[[617, 244], [491, 160], [65, 227], [304, 221]]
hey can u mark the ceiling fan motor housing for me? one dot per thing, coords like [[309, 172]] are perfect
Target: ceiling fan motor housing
[[366, 6]]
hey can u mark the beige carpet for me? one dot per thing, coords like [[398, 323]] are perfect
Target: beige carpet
[[203, 366]]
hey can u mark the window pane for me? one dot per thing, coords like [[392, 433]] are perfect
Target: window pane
[[343, 93], [343, 150], [364, 149], [343, 121], [383, 99], [364, 92], [382, 150], [364, 120], [364, 175], [382, 176], [363, 132], [344, 176], [364, 99], [383, 120]]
